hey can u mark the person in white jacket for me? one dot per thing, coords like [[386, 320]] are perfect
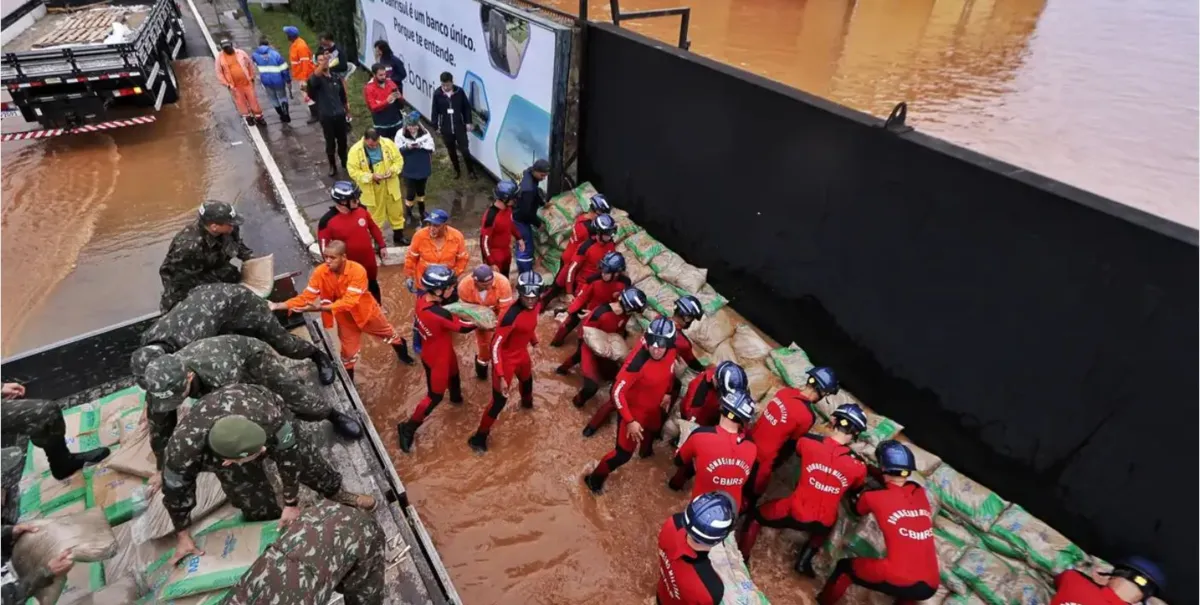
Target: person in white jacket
[[416, 145]]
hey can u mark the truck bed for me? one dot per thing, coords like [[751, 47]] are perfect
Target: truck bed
[[87, 27]]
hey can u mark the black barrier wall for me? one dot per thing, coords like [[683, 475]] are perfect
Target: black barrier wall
[[1041, 340]]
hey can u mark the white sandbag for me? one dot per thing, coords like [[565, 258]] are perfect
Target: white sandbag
[[660, 296], [748, 345], [636, 270], [712, 330], [723, 352], [479, 315], [258, 275], [729, 564], [135, 457], [762, 381], [87, 535], [156, 523], [671, 268], [604, 344], [133, 558], [119, 590]]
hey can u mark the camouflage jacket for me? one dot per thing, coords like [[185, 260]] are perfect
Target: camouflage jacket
[[188, 453], [208, 310], [218, 361], [198, 257]]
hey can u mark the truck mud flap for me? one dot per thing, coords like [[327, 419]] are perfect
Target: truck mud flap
[[162, 92]]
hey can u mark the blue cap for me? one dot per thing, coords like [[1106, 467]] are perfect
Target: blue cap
[[438, 217], [709, 518], [482, 273], [292, 31]]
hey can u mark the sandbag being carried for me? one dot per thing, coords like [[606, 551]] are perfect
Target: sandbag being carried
[[712, 330], [156, 523], [258, 275], [965, 499], [89, 538], [671, 268], [1039, 544], [641, 246], [748, 345], [727, 561], [608, 346], [985, 573], [118, 494], [791, 364], [135, 457], [229, 550], [480, 315]]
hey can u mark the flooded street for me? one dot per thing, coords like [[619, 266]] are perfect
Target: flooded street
[[1099, 94]]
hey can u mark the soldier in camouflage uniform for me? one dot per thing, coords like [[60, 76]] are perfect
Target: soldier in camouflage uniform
[[329, 548], [213, 309], [42, 421], [211, 363], [229, 433], [200, 253]]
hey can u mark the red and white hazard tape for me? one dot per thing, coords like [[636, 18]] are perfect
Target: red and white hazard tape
[[53, 132]]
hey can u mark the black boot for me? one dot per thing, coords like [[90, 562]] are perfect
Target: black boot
[[350, 373], [589, 430], [402, 352], [333, 171], [481, 369], [285, 114], [478, 442], [398, 238], [326, 373], [527, 394], [408, 433], [63, 463], [804, 560], [345, 425], [594, 483], [455, 389], [312, 114], [250, 120], [260, 121]]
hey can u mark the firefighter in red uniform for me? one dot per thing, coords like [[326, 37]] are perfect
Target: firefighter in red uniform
[[1133, 580], [611, 318], [719, 457], [828, 471], [597, 290], [688, 311], [349, 222], [510, 354], [786, 418], [586, 261], [496, 235], [702, 402], [437, 327], [909, 571], [685, 575], [640, 392], [580, 232]]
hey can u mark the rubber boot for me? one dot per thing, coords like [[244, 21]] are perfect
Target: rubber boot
[[326, 373], [455, 389], [63, 463], [279, 112], [402, 352], [481, 369], [478, 442], [359, 501], [249, 120], [333, 171], [804, 560], [589, 430], [260, 121], [594, 483], [408, 433], [285, 114], [527, 394], [398, 237], [345, 425]]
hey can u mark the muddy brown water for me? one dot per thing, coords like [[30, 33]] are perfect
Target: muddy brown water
[[1100, 94]]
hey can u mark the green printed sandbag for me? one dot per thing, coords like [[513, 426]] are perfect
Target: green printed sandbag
[[553, 221], [641, 246], [118, 590], [969, 598], [636, 270], [116, 404], [1025, 589], [118, 494], [671, 268], [480, 315], [584, 193], [568, 204], [77, 587], [81, 419], [748, 345], [866, 539], [1039, 544], [791, 364], [42, 496], [626, 228], [230, 549], [951, 541], [710, 300], [659, 296], [832, 550], [552, 264], [879, 429], [82, 424], [985, 573], [712, 330], [730, 566], [965, 499]]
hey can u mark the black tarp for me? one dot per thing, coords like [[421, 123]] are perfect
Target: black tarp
[[1040, 339]]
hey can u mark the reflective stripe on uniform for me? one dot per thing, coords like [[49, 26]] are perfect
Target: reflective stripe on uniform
[[355, 290], [272, 69]]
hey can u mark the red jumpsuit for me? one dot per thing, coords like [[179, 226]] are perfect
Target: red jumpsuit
[[596, 291], [358, 230], [515, 332], [1074, 588], [828, 471], [685, 576], [580, 232], [719, 460], [909, 572], [638, 393], [436, 327], [496, 238], [786, 418], [596, 369], [701, 401], [586, 262]]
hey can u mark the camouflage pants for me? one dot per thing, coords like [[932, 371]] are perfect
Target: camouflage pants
[[261, 324], [162, 426], [301, 398], [178, 288], [248, 486], [38, 419]]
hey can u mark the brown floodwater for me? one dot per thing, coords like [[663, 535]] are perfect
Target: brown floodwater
[[1101, 94]]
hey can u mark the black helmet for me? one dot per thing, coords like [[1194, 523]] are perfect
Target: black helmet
[[632, 300], [600, 204], [738, 406], [529, 283], [343, 192], [613, 262], [505, 191], [437, 277], [661, 333], [688, 307], [604, 225]]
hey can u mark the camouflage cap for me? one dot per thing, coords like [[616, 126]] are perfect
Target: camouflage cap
[[165, 377], [234, 437], [219, 212], [13, 463], [142, 357]]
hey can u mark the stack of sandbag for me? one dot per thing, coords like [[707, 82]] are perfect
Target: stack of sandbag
[[155, 522], [89, 538], [791, 363], [230, 547], [672, 269], [712, 330], [481, 316]]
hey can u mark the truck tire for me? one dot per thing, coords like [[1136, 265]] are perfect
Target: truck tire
[[171, 81]]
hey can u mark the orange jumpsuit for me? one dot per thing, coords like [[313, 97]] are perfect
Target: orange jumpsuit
[[301, 60], [353, 312], [236, 72], [423, 251], [498, 298]]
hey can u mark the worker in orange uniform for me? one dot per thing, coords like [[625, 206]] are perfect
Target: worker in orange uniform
[[436, 244], [301, 60], [486, 288], [236, 71], [336, 289]]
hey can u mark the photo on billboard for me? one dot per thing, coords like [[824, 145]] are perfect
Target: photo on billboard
[[506, 37], [524, 137], [481, 114]]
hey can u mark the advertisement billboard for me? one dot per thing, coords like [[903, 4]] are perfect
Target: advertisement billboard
[[511, 65]]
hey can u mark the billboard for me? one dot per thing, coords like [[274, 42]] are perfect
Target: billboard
[[511, 65]]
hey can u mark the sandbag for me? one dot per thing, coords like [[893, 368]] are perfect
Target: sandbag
[[552, 263], [728, 562], [762, 382], [686, 428], [75, 588], [569, 203], [642, 246], [969, 598], [1025, 589], [258, 275], [879, 429], [723, 352], [73, 508], [135, 457], [118, 494], [230, 549], [829, 553], [583, 193], [122, 591], [480, 315], [965, 499], [748, 345], [89, 538], [132, 559], [46, 494], [791, 364], [637, 270], [712, 330], [156, 523], [927, 461], [951, 541], [554, 221], [625, 227], [710, 300], [81, 419], [660, 296], [608, 346], [1038, 543], [866, 539], [985, 573], [671, 268]]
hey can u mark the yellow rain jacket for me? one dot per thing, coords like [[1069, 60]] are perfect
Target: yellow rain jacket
[[383, 200]]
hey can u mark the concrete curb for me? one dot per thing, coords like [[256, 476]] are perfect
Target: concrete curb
[[299, 222]]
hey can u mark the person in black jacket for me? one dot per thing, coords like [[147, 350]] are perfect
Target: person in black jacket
[[339, 62], [525, 218], [452, 118], [395, 67], [328, 93]]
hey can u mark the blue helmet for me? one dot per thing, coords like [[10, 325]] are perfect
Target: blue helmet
[[688, 307], [291, 31], [708, 519], [632, 300], [600, 204], [850, 418], [505, 191], [437, 217], [823, 380], [604, 225], [413, 118], [437, 277], [730, 377], [1143, 572], [661, 333], [738, 406], [895, 458], [344, 191], [613, 262], [529, 283]]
